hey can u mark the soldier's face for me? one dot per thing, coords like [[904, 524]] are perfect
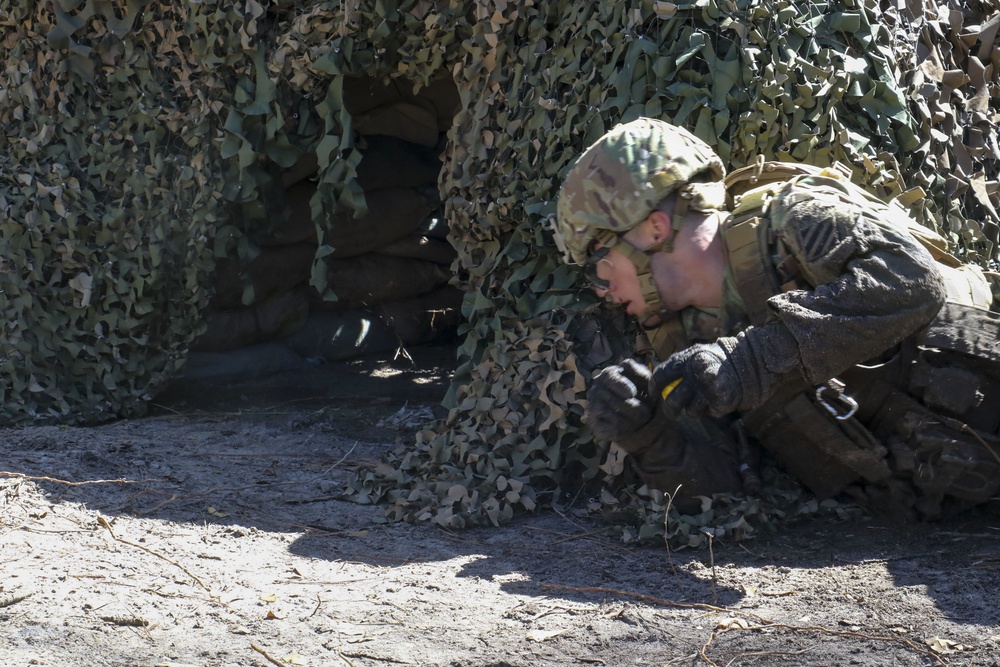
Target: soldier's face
[[618, 282], [690, 275]]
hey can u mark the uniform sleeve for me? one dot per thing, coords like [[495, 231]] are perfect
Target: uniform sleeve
[[872, 287]]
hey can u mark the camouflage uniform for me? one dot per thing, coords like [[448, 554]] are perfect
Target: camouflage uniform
[[841, 288], [830, 298]]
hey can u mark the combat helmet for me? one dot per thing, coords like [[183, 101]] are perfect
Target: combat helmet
[[622, 178]]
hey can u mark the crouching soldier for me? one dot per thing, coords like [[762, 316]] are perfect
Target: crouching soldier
[[820, 320]]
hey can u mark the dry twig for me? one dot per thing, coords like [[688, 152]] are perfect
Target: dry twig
[[343, 657], [711, 556], [641, 596], [127, 621], [104, 522], [270, 658], [217, 489], [120, 480], [14, 599], [601, 531], [965, 428], [666, 529]]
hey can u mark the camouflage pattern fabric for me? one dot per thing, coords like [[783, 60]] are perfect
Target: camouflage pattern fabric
[[864, 285]]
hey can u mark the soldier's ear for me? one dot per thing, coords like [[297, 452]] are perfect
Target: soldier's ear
[[660, 226]]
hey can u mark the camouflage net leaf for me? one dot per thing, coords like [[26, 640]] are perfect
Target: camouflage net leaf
[[787, 80], [107, 203], [142, 140]]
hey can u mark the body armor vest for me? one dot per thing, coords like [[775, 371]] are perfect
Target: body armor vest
[[884, 445]]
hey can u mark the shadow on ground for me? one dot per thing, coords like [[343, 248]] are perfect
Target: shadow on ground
[[272, 457]]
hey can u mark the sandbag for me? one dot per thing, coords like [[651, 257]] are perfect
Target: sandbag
[[297, 225], [408, 121], [422, 247], [441, 97], [393, 213], [426, 317], [246, 364], [443, 94], [388, 162], [304, 167], [435, 227], [275, 318], [373, 279], [338, 335], [362, 94], [275, 270]]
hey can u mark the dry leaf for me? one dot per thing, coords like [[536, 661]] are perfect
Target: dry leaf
[[543, 635], [941, 645], [732, 623]]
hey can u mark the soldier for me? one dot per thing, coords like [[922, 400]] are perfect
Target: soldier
[[786, 301]]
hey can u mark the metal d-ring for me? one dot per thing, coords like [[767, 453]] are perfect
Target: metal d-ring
[[846, 406]]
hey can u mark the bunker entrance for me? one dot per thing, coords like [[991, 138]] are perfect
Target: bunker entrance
[[392, 328]]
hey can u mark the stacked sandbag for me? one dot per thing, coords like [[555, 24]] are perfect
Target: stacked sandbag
[[387, 268]]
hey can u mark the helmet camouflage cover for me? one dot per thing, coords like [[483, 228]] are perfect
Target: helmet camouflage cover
[[623, 177]]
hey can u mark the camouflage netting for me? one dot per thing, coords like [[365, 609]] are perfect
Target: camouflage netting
[[142, 139], [109, 198]]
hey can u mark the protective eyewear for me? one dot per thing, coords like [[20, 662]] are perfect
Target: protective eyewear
[[593, 264]]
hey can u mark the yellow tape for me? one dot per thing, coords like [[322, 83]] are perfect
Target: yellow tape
[[670, 387]]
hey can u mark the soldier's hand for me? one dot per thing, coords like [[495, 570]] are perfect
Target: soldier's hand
[[707, 383], [619, 400]]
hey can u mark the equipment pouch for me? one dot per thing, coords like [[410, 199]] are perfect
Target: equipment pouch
[[824, 453]]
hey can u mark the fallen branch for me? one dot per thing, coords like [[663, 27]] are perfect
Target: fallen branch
[[578, 536], [104, 522], [126, 621], [120, 480], [645, 598], [753, 654], [343, 657], [14, 599], [270, 658]]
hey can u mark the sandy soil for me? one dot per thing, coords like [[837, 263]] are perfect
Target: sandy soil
[[225, 546]]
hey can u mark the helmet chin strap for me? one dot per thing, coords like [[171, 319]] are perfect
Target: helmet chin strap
[[644, 274], [641, 259]]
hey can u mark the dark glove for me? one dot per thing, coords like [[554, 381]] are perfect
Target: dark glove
[[687, 457], [709, 383], [619, 399]]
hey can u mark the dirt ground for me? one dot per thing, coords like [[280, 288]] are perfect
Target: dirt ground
[[225, 546]]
